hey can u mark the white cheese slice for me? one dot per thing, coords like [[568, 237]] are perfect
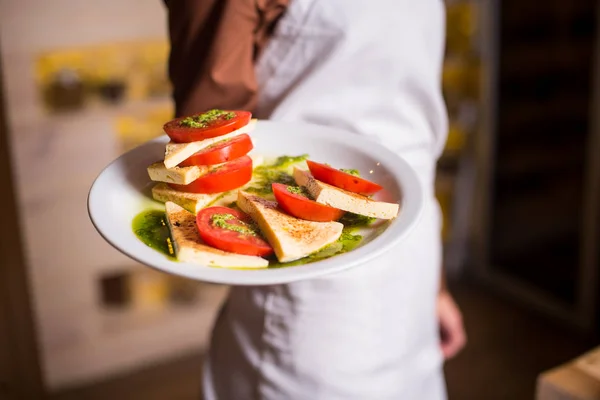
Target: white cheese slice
[[344, 200], [179, 175], [190, 248], [193, 202], [176, 153], [291, 238]]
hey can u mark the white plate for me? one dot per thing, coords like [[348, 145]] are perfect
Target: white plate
[[120, 193]]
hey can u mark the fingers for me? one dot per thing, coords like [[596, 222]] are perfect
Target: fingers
[[452, 333], [453, 340]]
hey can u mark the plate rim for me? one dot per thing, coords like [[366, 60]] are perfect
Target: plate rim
[[270, 276]]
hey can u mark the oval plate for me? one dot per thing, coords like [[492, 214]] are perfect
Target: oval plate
[[121, 192]]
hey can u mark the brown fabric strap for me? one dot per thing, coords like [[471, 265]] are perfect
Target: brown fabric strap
[[214, 44]]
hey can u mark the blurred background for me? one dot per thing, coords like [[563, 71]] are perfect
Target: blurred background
[[519, 184]]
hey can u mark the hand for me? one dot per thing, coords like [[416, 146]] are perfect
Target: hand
[[452, 331]]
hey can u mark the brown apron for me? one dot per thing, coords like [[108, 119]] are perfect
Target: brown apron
[[214, 44]]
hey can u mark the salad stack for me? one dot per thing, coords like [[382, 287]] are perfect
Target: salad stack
[[283, 212]]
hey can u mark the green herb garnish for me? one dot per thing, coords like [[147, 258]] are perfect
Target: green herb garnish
[[299, 191], [205, 119], [353, 172], [223, 221]]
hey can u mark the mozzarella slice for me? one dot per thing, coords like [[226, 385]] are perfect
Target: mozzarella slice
[[190, 248], [193, 202], [344, 200], [176, 153], [291, 238]]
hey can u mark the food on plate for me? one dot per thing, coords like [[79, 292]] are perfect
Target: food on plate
[[344, 200], [180, 175], [206, 125], [343, 179], [296, 201], [227, 207], [189, 247], [221, 152], [231, 230], [176, 153], [292, 238], [221, 178]]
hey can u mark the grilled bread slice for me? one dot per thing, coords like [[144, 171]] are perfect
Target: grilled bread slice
[[291, 238], [344, 200], [190, 248]]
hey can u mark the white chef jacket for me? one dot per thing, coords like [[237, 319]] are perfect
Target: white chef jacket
[[371, 332]]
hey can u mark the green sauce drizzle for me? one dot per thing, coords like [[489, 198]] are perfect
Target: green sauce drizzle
[[277, 172], [151, 228], [205, 119], [351, 220], [348, 241]]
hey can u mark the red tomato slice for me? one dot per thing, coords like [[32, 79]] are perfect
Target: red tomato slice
[[302, 207], [222, 178], [206, 125], [231, 230], [221, 152], [342, 180]]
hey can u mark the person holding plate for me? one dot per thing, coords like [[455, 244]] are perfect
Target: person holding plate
[[372, 68]]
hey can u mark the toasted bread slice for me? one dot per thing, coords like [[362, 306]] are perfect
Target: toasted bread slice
[[176, 153], [179, 175], [190, 248], [193, 202], [291, 238], [344, 200]]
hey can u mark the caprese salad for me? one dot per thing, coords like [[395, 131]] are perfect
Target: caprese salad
[[226, 207]]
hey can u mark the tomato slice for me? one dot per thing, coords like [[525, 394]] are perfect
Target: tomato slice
[[221, 152], [302, 207], [342, 180], [221, 178], [206, 125], [231, 230]]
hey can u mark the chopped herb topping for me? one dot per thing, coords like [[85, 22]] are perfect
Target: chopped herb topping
[[298, 190], [205, 119], [224, 221], [353, 172]]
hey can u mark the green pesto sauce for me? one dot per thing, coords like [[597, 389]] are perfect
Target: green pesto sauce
[[353, 172], [351, 220], [222, 221], [151, 228], [276, 172], [205, 119]]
